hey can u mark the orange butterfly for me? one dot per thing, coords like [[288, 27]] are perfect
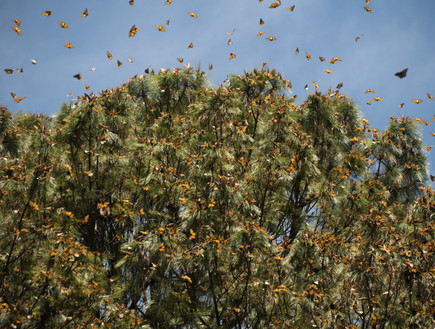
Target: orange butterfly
[[357, 38], [63, 25], [131, 2], [377, 99], [401, 74], [429, 95], [322, 58], [33, 61], [368, 102], [308, 56], [130, 60], [167, 22], [370, 91], [292, 8], [260, 33], [417, 101], [232, 55], [335, 59], [93, 69], [47, 13], [160, 28], [261, 22], [133, 31], [87, 86], [367, 1], [16, 29], [193, 15], [271, 38], [9, 71], [297, 51], [85, 13], [17, 21], [328, 71], [339, 85], [16, 99], [68, 45], [367, 9], [20, 70], [190, 45], [180, 60], [400, 105], [109, 56], [119, 63], [168, 2], [275, 5], [78, 76], [210, 67]]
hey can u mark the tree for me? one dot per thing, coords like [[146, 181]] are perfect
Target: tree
[[171, 204]]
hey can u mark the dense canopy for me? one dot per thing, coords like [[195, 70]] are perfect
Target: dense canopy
[[170, 203]]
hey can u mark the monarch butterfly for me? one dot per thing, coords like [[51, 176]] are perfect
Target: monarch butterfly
[[210, 67], [367, 9], [297, 51], [131, 2], [357, 38], [78, 76], [160, 28], [261, 22], [68, 45], [63, 25], [275, 5], [367, 2], [119, 63], [292, 8], [9, 71], [93, 69], [33, 61], [133, 31], [16, 29], [339, 85], [47, 13], [168, 2], [130, 60], [321, 58], [180, 60], [432, 178], [369, 103], [370, 91], [16, 99], [335, 59], [193, 15], [417, 101], [377, 99], [308, 56], [401, 74], [231, 33], [109, 56], [17, 21], [429, 95], [232, 55], [229, 42], [87, 86], [260, 33], [20, 70], [167, 22], [85, 13], [190, 45], [328, 71], [271, 38], [400, 105]]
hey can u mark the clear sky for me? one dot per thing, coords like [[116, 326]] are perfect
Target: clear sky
[[398, 34]]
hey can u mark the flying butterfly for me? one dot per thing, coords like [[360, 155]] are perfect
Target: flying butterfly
[[261, 22], [306, 87], [167, 22], [87, 86], [400, 105], [328, 71], [321, 58], [271, 38], [85, 13], [369, 103], [63, 25], [160, 28], [292, 8], [232, 55], [357, 38], [131, 2], [20, 70], [16, 99], [193, 15], [109, 56], [17, 22], [133, 31], [180, 60], [119, 63], [417, 101], [369, 91], [9, 71], [33, 61], [308, 56], [275, 5], [260, 33], [168, 2], [47, 13], [190, 45], [339, 85], [210, 67], [377, 99], [78, 76], [16, 29], [68, 45], [93, 69], [367, 2], [429, 95], [229, 42], [367, 9], [297, 51], [130, 60], [335, 59], [401, 74], [232, 32]]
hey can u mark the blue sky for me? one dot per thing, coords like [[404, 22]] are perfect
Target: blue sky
[[397, 34]]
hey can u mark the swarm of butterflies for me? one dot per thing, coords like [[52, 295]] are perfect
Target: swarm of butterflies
[[161, 28]]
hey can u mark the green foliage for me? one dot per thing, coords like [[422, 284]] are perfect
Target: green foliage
[[170, 204]]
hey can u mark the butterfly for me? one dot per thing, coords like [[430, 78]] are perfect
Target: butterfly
[[369, 91], [328, 71], [160, 28], [131, 2], [93, 69], [275, 5], [9, 71], [229, 42], [432, 178], [429, 95], [20, 70], [33, 61], [335, 59], [367, 1], [168, 2], [46, 13], [321, 58], [16, 29], [417, 101], [369, 103], [306, 87], [190, 45], [339, 85], [180, 60], [193, 15], [16, 99], [17, 21], [260, 33], [367, 9], [357, 38], [271, 38], [261, 22], [167, 22], [119, 63], [69, 95], [109, 56], [210, 67], [78, 76], [231, 33], [63, 25], [85, 13], [377, 99], [292, 8], [130, 60], [400, 105], [232, 55], [133, 31], [297, 51], [87, 86], [401, 74], [308, 56], [68, 45]]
